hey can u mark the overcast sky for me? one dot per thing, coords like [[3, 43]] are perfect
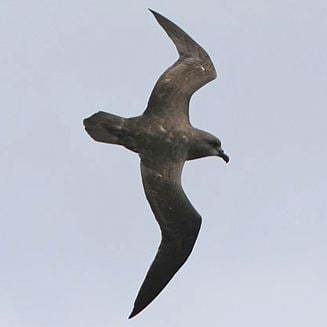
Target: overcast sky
[[77, 235]]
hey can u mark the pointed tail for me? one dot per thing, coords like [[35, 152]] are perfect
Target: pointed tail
[[104, 127]]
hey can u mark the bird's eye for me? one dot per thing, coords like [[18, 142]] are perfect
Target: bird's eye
[[215, 143]]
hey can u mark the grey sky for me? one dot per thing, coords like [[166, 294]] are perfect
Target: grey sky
[[73, 254]]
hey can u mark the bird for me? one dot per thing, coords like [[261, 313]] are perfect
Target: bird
[[164, 139]]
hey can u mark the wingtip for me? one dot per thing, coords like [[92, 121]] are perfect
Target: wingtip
[[156, 14], [133, 313]]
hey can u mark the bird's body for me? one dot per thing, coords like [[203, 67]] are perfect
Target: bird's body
[[151, 136], [164, 139]]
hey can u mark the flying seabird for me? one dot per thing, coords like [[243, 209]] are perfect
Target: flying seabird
[[164, 139]]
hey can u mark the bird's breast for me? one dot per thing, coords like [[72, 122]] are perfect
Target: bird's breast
[[161, 134]]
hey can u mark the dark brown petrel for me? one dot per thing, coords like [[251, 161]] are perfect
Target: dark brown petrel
[[164, 139]]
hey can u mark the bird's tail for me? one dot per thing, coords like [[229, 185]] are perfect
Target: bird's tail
[[105, 127]]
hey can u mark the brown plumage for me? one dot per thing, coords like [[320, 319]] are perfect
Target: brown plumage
[[164, 139]]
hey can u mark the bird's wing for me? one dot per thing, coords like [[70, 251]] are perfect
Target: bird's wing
[[179, 223], [191, 71]]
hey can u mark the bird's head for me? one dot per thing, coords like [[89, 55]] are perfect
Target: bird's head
[[215, 148]]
